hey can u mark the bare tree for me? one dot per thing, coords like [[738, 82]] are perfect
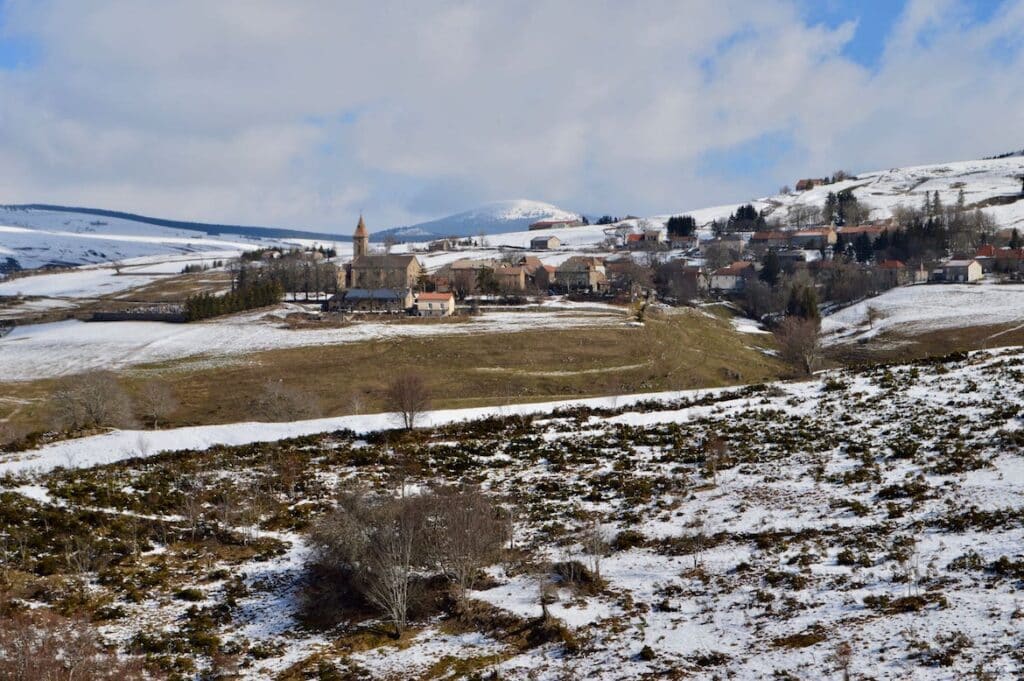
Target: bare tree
[[409, 396], [873, 315], [595, 546], [469, 535], [91, 400], [717, 255], [799, 343], [715, 455], [155, 401], [279, 402], [842, 657], [802, 215]]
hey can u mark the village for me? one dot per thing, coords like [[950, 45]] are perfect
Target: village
[[754, 259]]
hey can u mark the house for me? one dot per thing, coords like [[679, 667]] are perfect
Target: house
[[809, 183], [462, 274], [555, 224], [732, 243], [851, 232], [960, 271], [380, 300], [892, 273], [796, 257], [763, 241], [682, 280], [545, 243], [814, 238], [684, 242], [435, 304], [580, 273], [1009, 260], [733, 277], [544, 277], [510, 277]]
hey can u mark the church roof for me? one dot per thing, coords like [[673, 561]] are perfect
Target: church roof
[[389, 261], [361, 228]]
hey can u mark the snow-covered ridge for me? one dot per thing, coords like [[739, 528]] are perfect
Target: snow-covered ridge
[[491, 218]]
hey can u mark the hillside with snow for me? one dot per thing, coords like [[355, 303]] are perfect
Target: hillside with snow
[[865, 521], [994, 185], [37, 237], [491, 218]]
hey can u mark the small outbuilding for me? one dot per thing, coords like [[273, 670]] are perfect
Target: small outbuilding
[[545, 243]]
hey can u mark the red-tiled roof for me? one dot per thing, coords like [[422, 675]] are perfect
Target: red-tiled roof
[[765, 236], [891, 265], [434, 296], [736, 268]]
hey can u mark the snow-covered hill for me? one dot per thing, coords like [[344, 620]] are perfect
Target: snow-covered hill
[[991, 184], [492, 218], [36, 237]]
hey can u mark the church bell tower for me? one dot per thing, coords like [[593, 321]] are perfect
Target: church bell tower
[[360, 240]]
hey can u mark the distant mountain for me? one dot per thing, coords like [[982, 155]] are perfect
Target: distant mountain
[[491, 218], [204, 227]]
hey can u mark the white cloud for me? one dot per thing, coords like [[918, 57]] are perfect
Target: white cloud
[[305, 113]]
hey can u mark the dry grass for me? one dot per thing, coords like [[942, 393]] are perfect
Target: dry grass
[[683, 349], [899, 347]]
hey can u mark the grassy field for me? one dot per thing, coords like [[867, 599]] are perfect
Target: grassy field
[[680, 349], [900, 347]]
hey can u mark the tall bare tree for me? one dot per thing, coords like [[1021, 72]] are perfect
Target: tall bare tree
[[155, 401], [799, 342], [469, 534], [409, 396]]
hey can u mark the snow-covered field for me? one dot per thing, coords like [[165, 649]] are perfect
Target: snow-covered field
[[59, 348], [750, 532], [914, 309]]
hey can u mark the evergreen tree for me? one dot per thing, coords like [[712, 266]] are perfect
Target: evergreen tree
[[771, 269], [803, 302], [681, 225], [1015, 239], [862, 247]]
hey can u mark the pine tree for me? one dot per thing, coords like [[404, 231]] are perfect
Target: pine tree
[[1015, 239], [771, 268]]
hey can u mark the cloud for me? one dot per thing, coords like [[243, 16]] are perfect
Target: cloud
[[305, 113]]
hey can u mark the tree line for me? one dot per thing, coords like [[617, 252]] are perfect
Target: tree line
[[257, 294]]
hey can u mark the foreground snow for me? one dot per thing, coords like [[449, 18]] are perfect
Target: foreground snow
[[883, 508], [118, 445]]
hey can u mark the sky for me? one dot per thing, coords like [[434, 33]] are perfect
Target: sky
[[306, 113]]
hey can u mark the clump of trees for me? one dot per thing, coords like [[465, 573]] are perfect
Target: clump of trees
[[258, 294], [91, 400], [279, 402], [843, 209], [745, 219], [387, 548], [681, 225]]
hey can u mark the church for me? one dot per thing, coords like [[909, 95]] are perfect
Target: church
[[379, 271]]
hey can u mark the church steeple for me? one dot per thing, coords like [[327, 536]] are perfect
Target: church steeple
[[360, 240]]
